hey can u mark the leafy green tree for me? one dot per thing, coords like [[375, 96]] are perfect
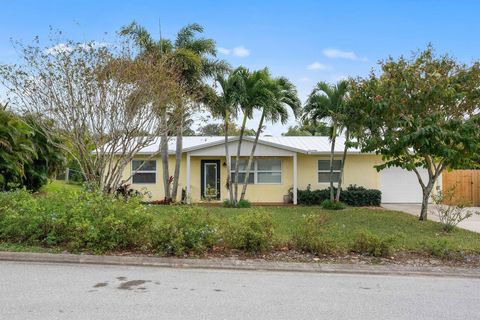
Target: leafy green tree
[[218, 129], [421, 112], [29, 154], [307, 129], [275, 98], [327, 102], [187, 127], [194, 58], [49, 156], [296, 131], [211, 129], [16, 148], [99, 98]]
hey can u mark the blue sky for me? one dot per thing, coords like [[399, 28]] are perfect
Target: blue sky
[[306, 41]]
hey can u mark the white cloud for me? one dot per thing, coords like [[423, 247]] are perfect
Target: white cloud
[[93, 45], [239, 51], [224, 51], [317, 66], [59, 48], [336, 53], [66, 48]]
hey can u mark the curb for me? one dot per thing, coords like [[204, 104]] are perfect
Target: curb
[[241, 265]]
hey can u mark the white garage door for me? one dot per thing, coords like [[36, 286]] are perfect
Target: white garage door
[[401, 186]]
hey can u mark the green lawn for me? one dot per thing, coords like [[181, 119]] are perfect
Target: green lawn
[[343, 226], [59, 185]]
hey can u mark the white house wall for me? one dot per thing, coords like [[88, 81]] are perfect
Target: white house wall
[[261, 150]]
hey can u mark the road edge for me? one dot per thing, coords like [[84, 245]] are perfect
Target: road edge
[[242, 265]]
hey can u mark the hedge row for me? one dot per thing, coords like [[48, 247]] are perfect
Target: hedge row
[[92, 222], [353, 196]]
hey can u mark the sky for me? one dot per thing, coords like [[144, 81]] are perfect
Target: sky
[[305, 41]]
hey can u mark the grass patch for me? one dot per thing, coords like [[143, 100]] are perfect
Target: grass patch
[[342, 228], [59, 186]]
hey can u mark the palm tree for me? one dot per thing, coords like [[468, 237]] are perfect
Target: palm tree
[[253, 92], [194, 59], [16, 148], [275, 97], [328, 102], [225, 105], [246, 85]]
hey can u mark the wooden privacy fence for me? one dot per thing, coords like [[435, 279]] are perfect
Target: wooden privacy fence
[[466, 184]]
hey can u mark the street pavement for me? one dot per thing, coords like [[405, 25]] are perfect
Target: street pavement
[[79, 291]]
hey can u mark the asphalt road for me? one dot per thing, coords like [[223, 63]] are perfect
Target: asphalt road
[[68, 291]]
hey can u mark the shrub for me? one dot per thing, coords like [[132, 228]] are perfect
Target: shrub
[[21, 218], [309, 235], [357, 196], [450, 215], [78, 220], [440, 248], [244, 204], [310, 198], [353, 196], [252, 231], [188, 230], [332, 205], [370, 244], [240, 204], [228, 204], [102, 223]]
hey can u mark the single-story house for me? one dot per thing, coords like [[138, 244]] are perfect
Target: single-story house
[[280, 164]]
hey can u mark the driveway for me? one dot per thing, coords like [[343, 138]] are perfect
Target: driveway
[[62, 291], [472, 223]]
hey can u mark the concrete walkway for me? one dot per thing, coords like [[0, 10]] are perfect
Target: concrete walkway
[[472, 223]]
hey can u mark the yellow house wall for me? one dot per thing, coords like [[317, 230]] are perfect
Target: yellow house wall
[[255, 192], [156, 190], [358, 170]]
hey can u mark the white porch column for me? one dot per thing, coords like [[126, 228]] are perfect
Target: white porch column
[[295, 184], [188, 178]]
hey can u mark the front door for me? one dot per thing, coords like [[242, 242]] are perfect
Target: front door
[[210, 176]]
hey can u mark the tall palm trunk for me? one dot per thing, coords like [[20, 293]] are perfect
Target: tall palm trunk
[[344, 157], [227, 156], [164, 153], [332, 151], [250, 159], [242, 130], [178, 156]]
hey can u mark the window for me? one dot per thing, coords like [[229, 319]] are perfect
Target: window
[[269, 171], [145, 171], [242, 171], [263, 171], [324, 170]]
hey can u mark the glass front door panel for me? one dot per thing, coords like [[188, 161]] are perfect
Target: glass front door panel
[[210, 180]]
